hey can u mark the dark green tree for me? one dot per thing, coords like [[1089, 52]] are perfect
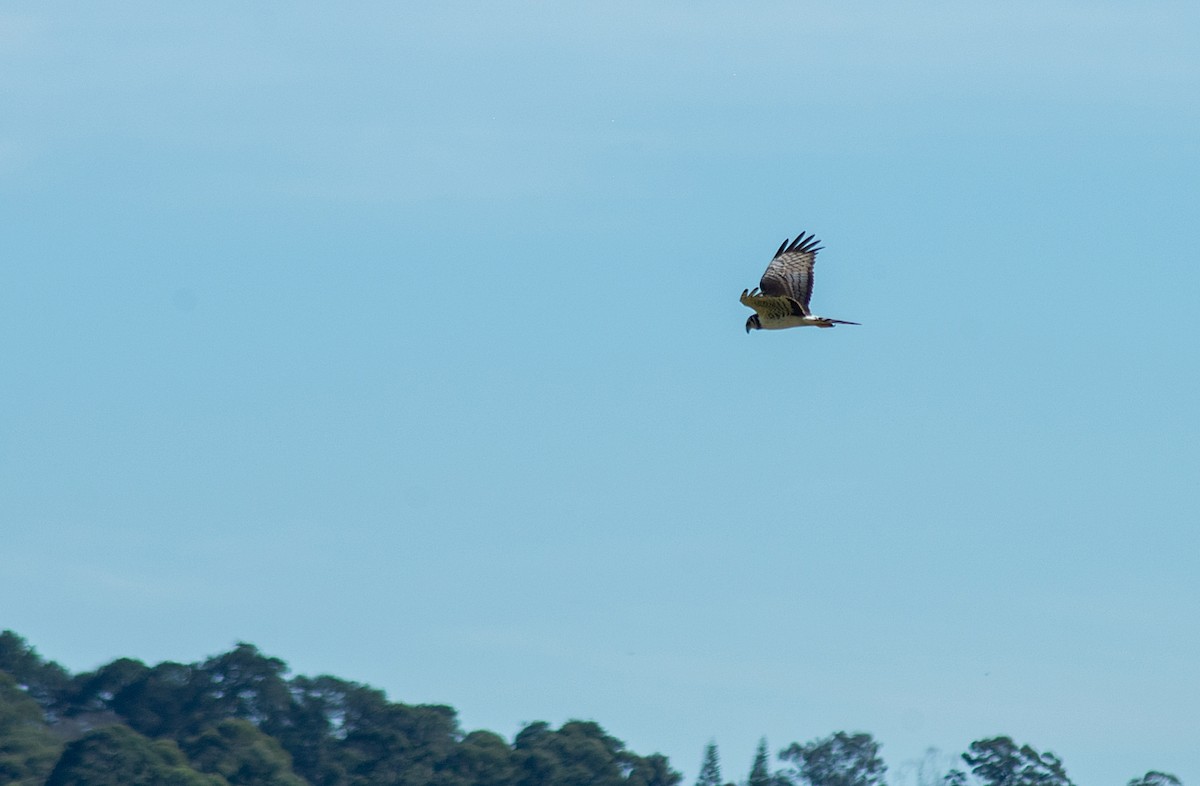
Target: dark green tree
[[536, 760], [95, 691], [163, 701], [395, 744], [581, 753], [1156, 778], [28, 749], [482, 759], [760, 770], [45, 681], [243, 755], [317, 724], [998, 761], [119, 756], [239, 719], [840, 760], [178, 700], [244, 683], [652, 770], [710, 769]]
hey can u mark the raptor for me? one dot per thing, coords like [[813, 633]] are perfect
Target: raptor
[[781, 298]]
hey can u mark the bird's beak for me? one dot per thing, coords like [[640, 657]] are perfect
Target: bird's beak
[[747, 328]]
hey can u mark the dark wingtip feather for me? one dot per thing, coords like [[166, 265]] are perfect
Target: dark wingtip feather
[[803, 244]]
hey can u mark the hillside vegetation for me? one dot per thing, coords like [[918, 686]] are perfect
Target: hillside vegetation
[[238, 719]]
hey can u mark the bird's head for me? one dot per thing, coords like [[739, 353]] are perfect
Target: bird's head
[[753, 323]]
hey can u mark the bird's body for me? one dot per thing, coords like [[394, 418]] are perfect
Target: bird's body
[[781, 298]]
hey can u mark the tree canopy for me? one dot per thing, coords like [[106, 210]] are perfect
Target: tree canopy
[[838, 760], [999, 761], [240, 719], [1156, 778], [28, 749]]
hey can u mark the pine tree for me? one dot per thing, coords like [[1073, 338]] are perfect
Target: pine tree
[[710, 771], [760, 775]]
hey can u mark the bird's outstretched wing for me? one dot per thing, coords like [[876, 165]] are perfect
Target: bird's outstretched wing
[[790, 273], [773, 306]]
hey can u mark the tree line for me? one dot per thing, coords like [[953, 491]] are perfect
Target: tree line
[[843, 759], [238, 719]]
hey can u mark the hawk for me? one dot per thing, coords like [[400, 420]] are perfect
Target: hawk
[[781, 298]]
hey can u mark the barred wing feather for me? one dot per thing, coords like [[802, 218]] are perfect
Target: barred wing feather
[[790, 273]]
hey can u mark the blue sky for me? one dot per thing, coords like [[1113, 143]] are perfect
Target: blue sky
[[403, 341]]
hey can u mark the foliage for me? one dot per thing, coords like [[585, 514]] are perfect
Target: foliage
[[839, 760], [482, 758], [710, 770], [28, 749], [760, 773], [580, 753], [95, 691], [119, 756], [236, 750], [245, 684], [652, 770], [45, 681], [237, 720], [955, 778], [1156, 778], [999, 762]]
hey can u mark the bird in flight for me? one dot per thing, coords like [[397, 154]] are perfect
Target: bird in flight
[[781, 298]]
